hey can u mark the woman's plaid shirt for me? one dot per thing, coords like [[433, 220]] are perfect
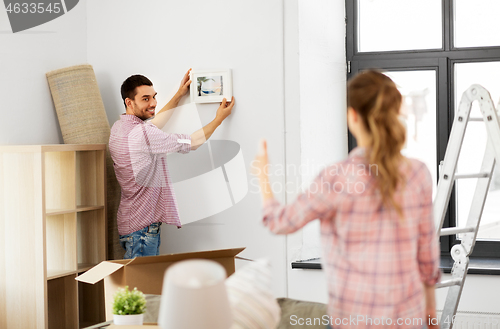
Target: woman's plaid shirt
[[375, 262]]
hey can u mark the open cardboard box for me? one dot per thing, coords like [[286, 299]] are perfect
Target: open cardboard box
[[146, 273]]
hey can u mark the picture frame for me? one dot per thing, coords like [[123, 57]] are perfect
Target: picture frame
[[211, 86]]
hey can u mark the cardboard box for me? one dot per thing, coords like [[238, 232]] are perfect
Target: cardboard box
[[146, 273]]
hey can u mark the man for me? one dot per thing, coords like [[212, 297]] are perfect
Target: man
[[138, 148]]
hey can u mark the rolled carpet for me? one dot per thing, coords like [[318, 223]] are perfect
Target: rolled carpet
[[83, 120]]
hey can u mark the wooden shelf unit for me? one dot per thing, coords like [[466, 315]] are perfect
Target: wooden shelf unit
[[53, 226]]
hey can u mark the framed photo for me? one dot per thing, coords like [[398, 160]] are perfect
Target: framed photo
[[211, 86]]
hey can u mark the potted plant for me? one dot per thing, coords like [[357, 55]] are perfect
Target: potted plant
[[128, 307]]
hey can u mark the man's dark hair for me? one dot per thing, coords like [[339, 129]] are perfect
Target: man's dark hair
[[132, 82]]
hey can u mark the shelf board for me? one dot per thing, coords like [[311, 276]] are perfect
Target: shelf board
[[72, 147], [51, 148], [88, 208], [82, 267], [53, 212], [85, 324], [55, 274]]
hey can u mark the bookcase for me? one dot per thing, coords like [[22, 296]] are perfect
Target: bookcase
[[53, 227]]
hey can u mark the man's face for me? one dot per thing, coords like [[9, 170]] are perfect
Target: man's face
[[144, 103]]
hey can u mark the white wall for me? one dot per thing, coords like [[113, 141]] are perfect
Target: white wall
[[162, 39], [323, 130], [28, 113], [323, 96]]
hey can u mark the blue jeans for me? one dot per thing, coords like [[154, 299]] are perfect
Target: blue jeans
[[145, 242]]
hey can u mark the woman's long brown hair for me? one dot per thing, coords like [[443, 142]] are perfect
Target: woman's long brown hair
[[375, 97]]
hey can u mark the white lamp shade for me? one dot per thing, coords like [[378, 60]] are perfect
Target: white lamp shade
[[194, 296]]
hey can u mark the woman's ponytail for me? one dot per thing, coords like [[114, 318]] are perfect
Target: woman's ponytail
[[377, 100]]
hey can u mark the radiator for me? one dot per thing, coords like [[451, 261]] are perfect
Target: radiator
[[474, 320]]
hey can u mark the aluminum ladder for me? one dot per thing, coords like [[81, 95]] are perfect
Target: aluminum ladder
[[447, 176]]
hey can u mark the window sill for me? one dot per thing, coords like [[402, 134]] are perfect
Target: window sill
[[486, 266], [310, 264]]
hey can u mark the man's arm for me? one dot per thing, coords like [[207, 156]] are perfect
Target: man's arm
[[164, 114], [201, 136]]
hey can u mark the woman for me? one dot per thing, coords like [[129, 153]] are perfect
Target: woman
[[380, 251]]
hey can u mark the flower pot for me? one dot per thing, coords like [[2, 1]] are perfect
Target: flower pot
[[130, 319]]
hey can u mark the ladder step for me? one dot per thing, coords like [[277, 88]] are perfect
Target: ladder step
[[478, 175], [456, 230], [449, 283], [476, 119]]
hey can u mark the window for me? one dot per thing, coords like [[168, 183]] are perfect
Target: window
[[434, 51], [378, 18]]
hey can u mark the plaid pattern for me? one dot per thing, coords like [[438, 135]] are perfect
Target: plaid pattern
[[139, 150], [374, 261]]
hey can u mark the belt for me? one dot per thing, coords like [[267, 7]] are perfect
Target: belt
[[159, 224]]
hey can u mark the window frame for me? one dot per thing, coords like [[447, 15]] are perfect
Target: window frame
[[442, 60]]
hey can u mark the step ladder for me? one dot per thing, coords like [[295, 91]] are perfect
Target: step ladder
[[447, 176]]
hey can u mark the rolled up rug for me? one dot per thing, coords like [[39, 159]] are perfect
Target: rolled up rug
[[83, 120]]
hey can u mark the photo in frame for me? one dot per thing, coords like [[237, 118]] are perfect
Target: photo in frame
[[211, 86]]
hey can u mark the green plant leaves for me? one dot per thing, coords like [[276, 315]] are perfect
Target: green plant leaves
[[128, 302]]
